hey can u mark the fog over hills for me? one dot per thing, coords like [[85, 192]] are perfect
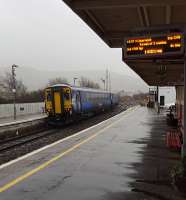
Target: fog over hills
[[35, 79]]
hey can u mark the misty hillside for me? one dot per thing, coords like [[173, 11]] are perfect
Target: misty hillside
[[35, 79]]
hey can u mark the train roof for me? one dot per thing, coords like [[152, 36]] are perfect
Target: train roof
[[80, 88]]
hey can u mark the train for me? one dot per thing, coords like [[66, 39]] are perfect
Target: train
[[64, 103]]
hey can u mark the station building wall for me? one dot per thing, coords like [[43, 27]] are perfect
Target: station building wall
[[169, 94]]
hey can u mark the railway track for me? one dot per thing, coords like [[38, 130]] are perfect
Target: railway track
[[8, 144], [27, 143], [18, 141]]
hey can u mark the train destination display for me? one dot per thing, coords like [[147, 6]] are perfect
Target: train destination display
[[153, 46]]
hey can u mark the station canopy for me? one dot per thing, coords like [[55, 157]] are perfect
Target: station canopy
[[115, 21]]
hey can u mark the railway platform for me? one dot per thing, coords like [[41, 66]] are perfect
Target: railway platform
[[20, 119], [124, 157]]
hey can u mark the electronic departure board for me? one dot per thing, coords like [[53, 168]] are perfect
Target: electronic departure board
[[154, 46]]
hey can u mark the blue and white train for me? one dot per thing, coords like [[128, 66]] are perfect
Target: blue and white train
[[64, 102]]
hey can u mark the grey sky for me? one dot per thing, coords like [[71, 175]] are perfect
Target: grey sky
[[46, 34]]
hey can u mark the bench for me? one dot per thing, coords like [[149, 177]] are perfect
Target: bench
[[174, 139]]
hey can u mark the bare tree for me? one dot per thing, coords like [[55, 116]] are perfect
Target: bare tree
[[58, 80], [2, 88], [7, 85], [84, 82]]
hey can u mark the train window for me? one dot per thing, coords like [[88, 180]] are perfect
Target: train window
[[92, 96], [67, 96], [73, 97], [49, 96], [97, 97], [83, 96], [88, 96]]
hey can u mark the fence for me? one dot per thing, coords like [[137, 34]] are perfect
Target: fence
[[7, 110]]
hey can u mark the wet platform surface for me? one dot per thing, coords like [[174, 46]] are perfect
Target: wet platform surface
[[103, 162]]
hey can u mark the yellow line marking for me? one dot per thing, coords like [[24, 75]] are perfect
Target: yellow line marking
[[44, 165]]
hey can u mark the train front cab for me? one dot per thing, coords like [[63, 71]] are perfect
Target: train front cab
[[58, 103]]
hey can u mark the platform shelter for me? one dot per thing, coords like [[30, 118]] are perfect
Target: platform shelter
[[151, 35]]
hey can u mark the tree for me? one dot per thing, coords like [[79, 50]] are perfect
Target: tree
[[22, 95], [8, 86], [32, 96], [2, 89], [58, 80], [84, 82]]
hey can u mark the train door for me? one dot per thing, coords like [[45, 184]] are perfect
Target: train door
[[48, 101], [57, 102], [67, 99], [78, 102]]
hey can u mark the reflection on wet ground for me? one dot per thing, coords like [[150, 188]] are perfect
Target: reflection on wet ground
[[127, 161]]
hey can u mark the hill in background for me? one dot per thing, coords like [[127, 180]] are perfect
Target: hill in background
[[35, 79]]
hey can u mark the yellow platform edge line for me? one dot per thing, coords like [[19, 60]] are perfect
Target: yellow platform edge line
[[44, 165]]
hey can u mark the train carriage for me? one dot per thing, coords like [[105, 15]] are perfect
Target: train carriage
[[64, 102]]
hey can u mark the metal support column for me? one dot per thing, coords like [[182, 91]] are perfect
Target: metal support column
[[157, 97], [157, 100], [184, 125], [14, 87]]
